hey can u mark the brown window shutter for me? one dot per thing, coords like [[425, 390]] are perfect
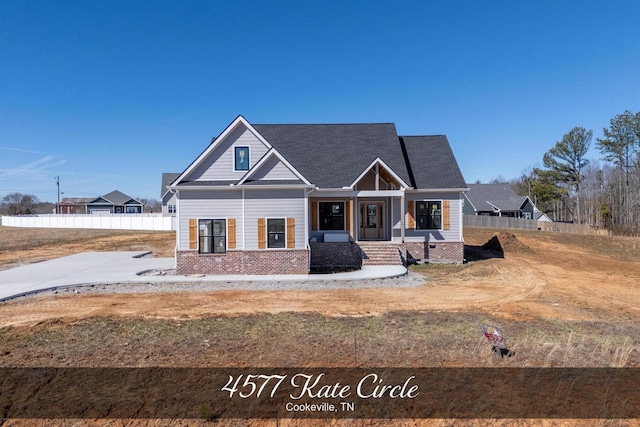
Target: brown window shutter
[[314, 216], [446, 222], [193, 234], [231, 238], [262, 233], [410, 210], [291, 233]]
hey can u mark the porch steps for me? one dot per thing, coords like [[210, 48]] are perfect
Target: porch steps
[[380, 253]]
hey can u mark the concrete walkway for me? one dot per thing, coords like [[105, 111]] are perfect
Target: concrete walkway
[[124, 267]]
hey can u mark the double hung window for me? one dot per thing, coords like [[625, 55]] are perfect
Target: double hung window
[[276, 233], [429, 215], [213, 236]]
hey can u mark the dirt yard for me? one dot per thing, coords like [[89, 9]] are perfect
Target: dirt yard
[[555, 276], [562, 301]]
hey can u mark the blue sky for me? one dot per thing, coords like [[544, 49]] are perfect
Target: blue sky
[[110, 94]]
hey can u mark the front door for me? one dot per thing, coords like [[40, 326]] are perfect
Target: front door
[[371, 221]]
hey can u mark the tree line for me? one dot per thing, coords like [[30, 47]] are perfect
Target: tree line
[[605, 193]]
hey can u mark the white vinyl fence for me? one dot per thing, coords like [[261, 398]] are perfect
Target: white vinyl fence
[[151, 222]]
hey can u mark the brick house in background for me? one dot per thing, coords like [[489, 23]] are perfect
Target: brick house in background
[[73, 205], [278, 199]]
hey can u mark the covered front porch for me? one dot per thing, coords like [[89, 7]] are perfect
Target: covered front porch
[[356, 219]]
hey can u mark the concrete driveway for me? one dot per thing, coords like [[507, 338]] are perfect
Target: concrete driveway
[[83, 268], [124, 267]]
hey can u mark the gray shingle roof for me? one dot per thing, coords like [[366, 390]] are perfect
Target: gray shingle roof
[[167, 178], [117, 198], [334, 155], [274, 182], [210, 183], [502, 196], [431, 162]]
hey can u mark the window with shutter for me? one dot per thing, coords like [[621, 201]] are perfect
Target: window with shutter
[[262, 233], [411, 222], [291, 233], [193, 234], [231, 238]]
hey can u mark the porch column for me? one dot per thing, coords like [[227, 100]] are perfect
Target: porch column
[[402, 216], [356, 212]]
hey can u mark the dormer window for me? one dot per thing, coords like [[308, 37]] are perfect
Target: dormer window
[[241, 160]]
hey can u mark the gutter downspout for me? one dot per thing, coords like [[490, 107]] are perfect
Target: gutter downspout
[[402, 214], [243, 223], [175, 249]]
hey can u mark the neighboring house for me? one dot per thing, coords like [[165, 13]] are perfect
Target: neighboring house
[[498, 200], [280, 199], [73, 205], [114, 203], [168, 198]]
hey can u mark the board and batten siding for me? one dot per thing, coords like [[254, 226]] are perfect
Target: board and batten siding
[[274, 204], [453, 234], [218, 166], [209, 204]]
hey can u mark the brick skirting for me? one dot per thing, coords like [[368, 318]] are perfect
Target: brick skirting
[[443, 252], [244, 262]]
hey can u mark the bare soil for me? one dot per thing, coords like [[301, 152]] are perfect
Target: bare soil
[[561, 300], [529, 275]]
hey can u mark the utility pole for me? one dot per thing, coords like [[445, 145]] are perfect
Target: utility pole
[[58, 184]]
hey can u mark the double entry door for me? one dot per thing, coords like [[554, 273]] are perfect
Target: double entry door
[[371, 220]]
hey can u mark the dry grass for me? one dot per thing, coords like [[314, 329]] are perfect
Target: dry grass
[[398, 339], [27, 245]]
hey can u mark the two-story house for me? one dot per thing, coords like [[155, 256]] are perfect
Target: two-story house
[[278, 199]]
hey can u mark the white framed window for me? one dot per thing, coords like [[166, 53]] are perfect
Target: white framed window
[[331, 216], [241, 158], [428, 214], [276, 233], [171, 209], [212, 235]]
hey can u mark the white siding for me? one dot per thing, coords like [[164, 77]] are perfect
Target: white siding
[[274, 204], [219, 164], [211, 204], [455, 218], [274, 169]]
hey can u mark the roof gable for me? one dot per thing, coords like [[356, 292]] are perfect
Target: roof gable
[[380, 171], [215, 163], [273, 167]]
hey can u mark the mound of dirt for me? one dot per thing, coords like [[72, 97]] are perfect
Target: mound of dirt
[[506, 242], [496, 247]]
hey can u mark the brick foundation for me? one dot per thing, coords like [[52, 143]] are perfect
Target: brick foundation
[[435, 252], [244, 262]]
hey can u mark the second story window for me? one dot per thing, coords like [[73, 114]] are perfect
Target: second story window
[[241, 159]]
